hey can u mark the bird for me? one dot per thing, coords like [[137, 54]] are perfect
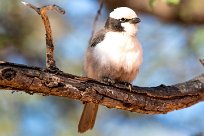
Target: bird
[[114, 54]]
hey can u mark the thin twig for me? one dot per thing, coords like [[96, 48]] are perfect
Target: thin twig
[[96, 17], [50, 62], [202, 61]]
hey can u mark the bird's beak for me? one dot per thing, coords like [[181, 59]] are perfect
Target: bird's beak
[[135, 20]]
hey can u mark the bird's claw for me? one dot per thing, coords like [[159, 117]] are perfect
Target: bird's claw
[[125, 85], [119, 84], [108, 81]]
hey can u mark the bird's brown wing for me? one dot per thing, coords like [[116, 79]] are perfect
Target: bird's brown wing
[[97, 38]]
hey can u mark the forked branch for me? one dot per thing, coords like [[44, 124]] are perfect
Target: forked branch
[[50, 62], [149, 100]]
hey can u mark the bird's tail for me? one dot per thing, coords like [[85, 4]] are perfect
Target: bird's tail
[[88, 117]]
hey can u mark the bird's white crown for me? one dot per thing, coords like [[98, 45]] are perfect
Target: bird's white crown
[[123, 12]]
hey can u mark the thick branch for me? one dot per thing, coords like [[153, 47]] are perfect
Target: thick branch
[[149, 100]]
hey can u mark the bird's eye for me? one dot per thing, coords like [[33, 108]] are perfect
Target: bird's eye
[[123, 20]]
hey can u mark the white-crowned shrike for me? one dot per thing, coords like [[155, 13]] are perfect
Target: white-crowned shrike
[[113, 53]]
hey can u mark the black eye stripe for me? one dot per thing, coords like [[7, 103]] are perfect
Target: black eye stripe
[[123, 20], [114, 25]]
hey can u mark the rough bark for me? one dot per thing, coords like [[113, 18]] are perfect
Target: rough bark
[[148, 100]]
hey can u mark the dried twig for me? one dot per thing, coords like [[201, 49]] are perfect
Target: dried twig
[[202, 61], [96, 17], [50, 62]]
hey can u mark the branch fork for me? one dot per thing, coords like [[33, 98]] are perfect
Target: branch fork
[[149, 100], [50, 61]]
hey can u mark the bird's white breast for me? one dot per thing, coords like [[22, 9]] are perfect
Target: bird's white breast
[[120, 51]]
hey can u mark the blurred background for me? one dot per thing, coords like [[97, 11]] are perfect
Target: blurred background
[[172, 36]]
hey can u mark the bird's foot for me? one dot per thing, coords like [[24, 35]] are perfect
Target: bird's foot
[[125, 85], [108, 81], [119, 84]]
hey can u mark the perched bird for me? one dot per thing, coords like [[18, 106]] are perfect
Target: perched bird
[[114, 53]]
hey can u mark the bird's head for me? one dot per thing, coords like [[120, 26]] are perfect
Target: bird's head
[[123, 19]]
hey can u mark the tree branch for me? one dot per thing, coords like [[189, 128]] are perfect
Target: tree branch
[[97, 17], [50, 62], [148, 100], [202, 61]]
